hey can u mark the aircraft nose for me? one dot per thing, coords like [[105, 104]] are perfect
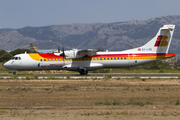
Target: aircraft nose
[[5, 65]]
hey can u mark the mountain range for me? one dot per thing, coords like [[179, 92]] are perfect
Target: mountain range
[[114, 36]]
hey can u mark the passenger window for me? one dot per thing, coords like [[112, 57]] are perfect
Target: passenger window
[[118, 58], [51, 59], [107, 58], [40, 59], [111, 58], [114, 58], [97, 58], [121, 58], [104, 58], [54, 59], [100, 58], [44, 59], [93, 58], [125, 58]]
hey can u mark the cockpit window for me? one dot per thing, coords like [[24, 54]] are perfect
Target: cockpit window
[[13, 58], [16, 58]]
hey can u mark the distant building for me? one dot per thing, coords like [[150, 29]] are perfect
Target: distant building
[[33, 48]]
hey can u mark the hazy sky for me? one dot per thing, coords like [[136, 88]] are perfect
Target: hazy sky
[[22, 13]]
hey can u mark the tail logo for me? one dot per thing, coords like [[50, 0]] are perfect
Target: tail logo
[[161, 41]]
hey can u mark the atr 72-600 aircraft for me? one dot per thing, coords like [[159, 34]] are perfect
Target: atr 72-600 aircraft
[[86, 60]]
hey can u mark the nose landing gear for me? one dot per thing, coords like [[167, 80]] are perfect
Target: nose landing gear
[[14, 72]]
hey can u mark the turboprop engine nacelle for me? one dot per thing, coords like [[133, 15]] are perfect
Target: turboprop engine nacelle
[[71, 54]]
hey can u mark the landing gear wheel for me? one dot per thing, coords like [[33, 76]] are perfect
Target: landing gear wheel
[[83, 71]]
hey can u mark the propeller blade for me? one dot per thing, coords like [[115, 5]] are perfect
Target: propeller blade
[[63, 52], [58, 49]]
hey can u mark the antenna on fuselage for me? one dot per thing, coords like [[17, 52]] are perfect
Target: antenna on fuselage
[[58, 49], [72, 43], [131, 45]]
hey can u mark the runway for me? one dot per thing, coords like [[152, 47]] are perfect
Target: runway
[[98, 75]]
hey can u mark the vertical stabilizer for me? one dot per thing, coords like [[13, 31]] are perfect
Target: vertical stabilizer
[[161, 42]]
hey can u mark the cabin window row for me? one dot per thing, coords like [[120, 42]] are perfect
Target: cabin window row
[[85, 59], [104, 58], [54, 60]]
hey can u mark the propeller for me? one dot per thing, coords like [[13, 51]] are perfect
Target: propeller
[[63, 55]]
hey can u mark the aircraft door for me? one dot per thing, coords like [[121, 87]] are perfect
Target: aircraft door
[[38, 63], [131, 59]]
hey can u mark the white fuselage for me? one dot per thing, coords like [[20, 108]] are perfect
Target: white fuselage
[[101, 60]]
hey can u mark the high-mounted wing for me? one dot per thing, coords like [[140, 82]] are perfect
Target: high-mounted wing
[[89, 52], [75, 53]]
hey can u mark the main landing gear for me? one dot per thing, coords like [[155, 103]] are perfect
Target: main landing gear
[[83, 71]]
